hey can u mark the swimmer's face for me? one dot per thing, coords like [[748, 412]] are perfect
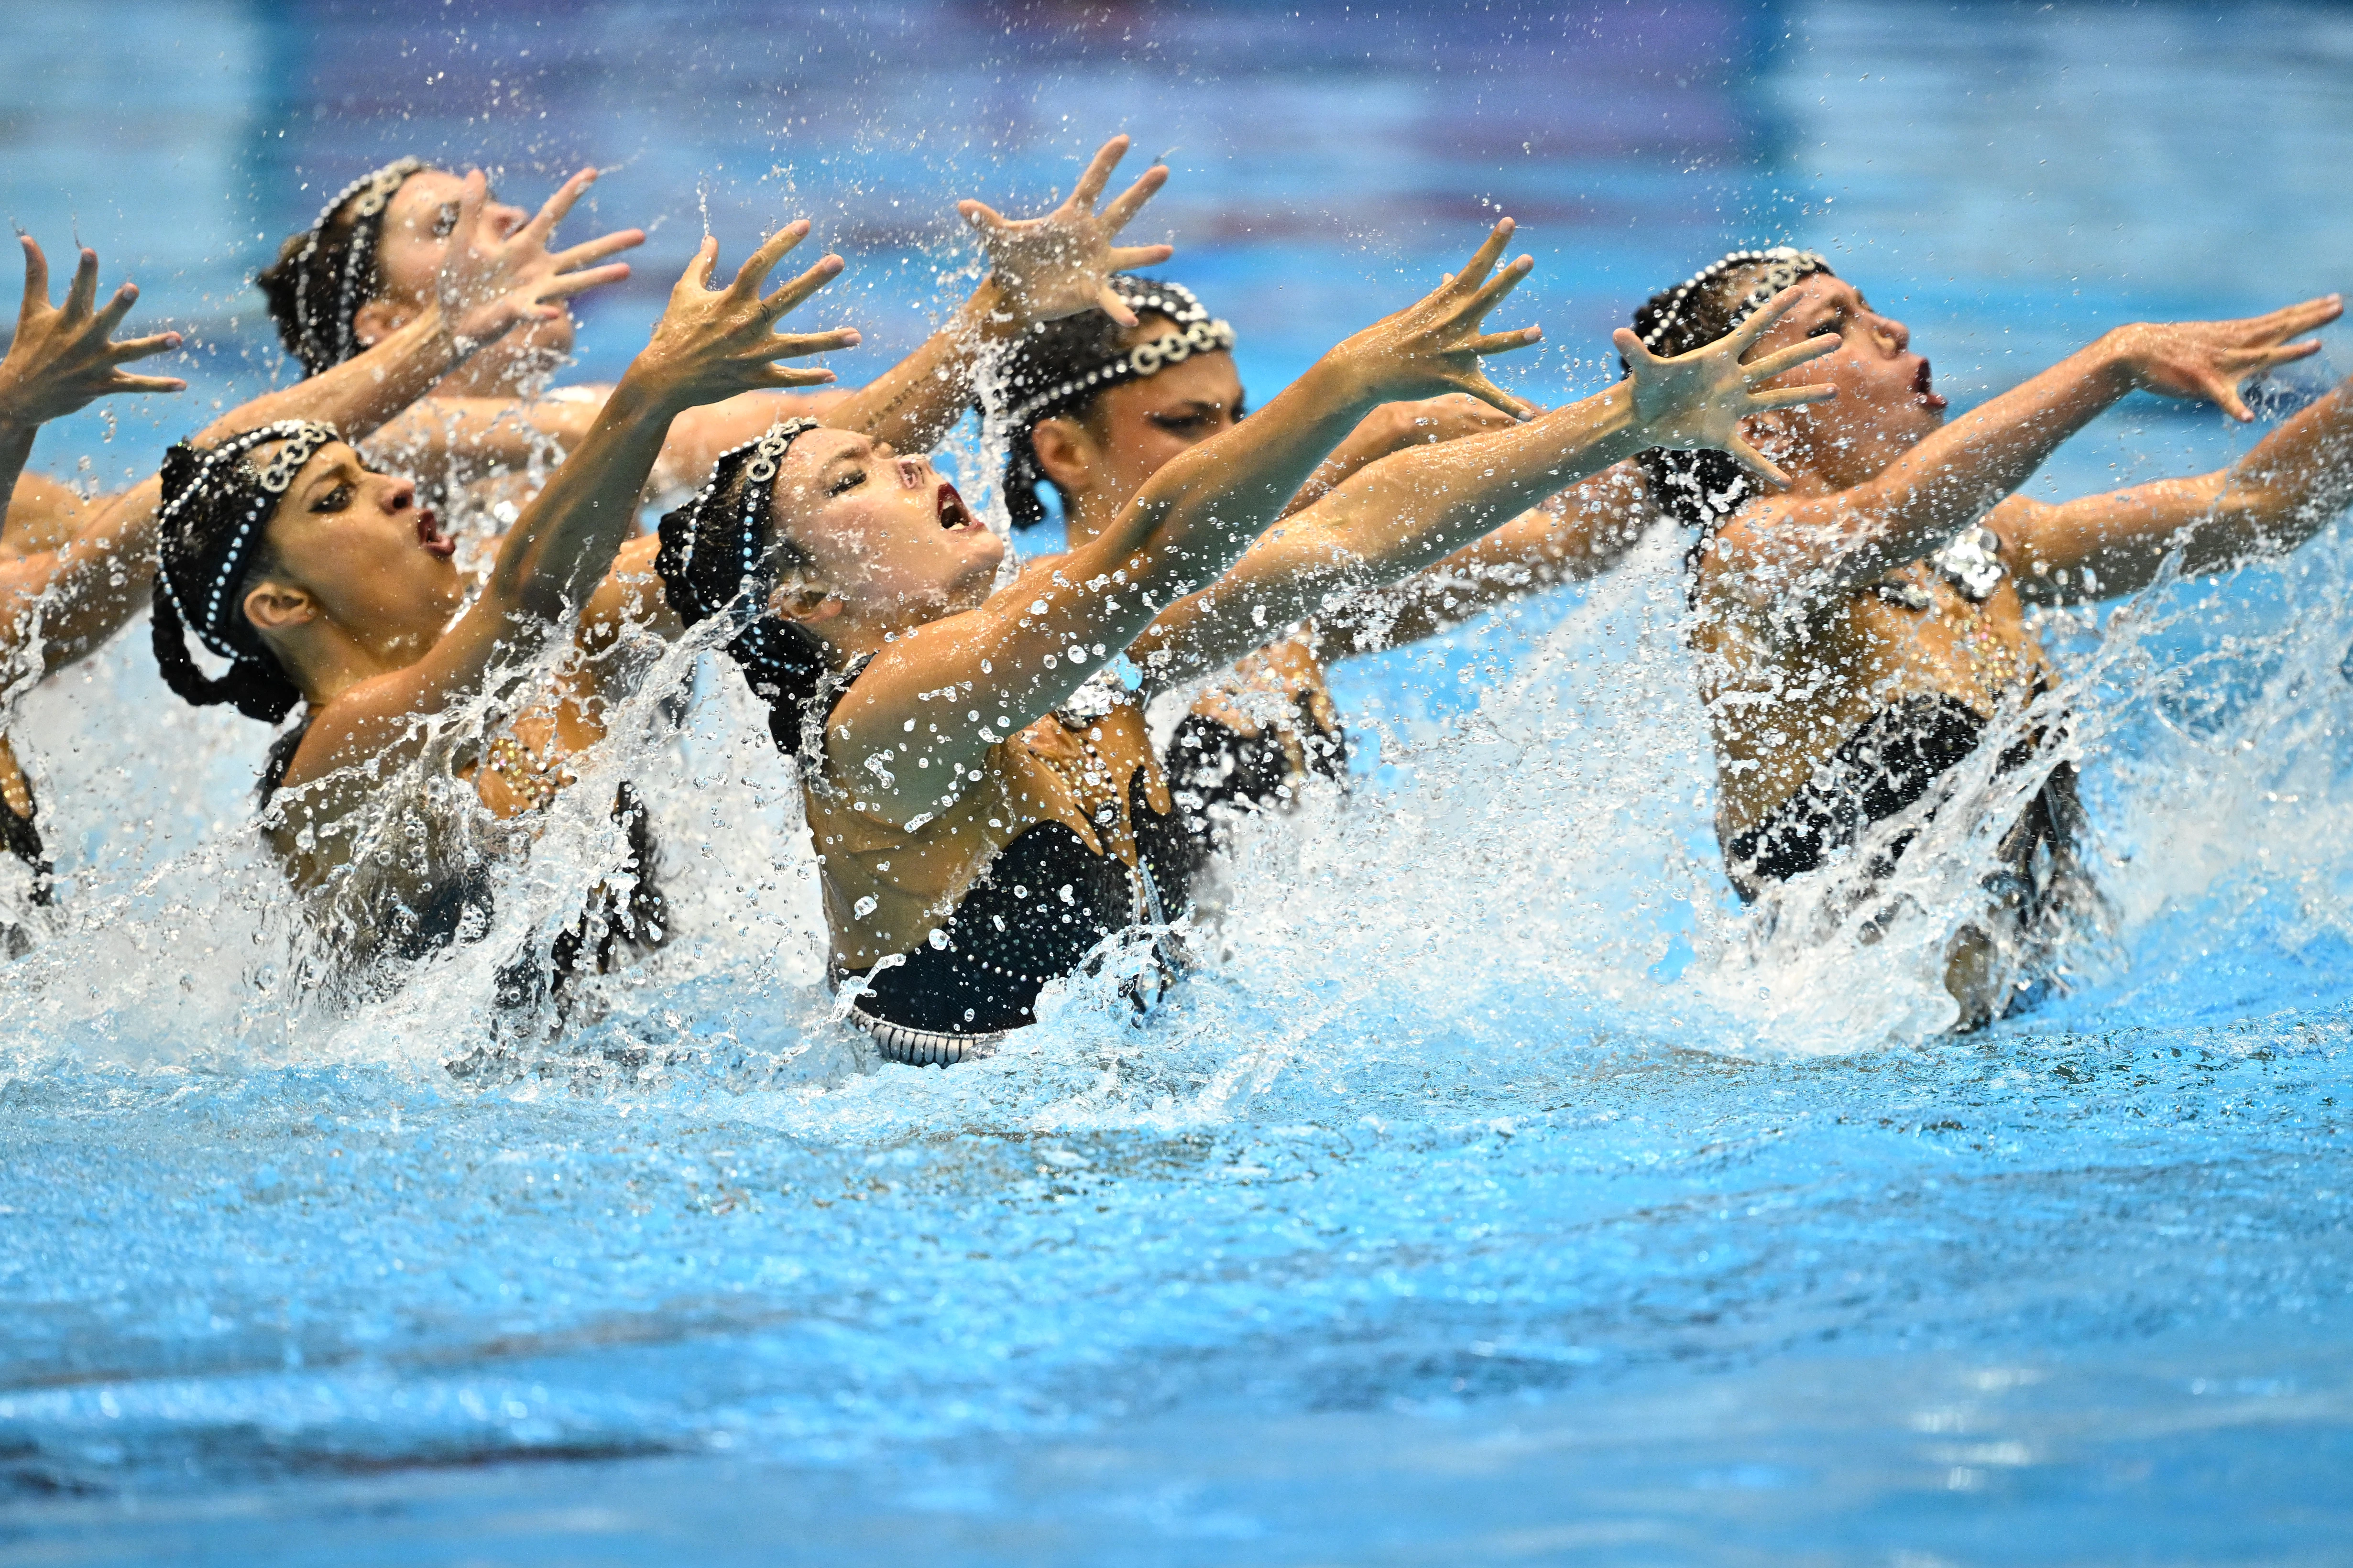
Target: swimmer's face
[[1131, 431], [1886, 402], [419, 225], [883, 534], [353, 546]]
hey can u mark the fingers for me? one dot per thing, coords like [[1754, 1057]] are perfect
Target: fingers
[[826, 269], [1780, 360], [1486, 391], [754, 273], [37, 275], [1790, 397], [82, 297], [2287, 353], [706, 261], [569, 285], [146, 384], [796, 376], [2290, 319], [597, 249], [543, 224], [1502, 283], [1131, 200], [1111, 305], [800, 345], [1090, 184], [1636, 351], [980, 215], [1475, 270], [1127, 257], [142, 348], [1504, 343], [1761, 322], [1755, 462], [2225, 394], [116, 309]]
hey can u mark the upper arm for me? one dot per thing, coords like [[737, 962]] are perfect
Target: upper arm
[[907, 730], [631, 596], [2103, 545]]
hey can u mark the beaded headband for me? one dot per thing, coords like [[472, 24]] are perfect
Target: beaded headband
[[1784, 265], [759, 493], [325, 344], [225, 463], [1196, 334]]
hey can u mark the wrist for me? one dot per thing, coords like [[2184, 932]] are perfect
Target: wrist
[[1344, 387], [993, 310], [2116, 358], [645, 391]]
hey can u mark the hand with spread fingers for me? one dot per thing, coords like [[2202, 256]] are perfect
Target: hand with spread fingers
[[1433, 345], [1696, 401], [2211, 360], [713, 344], [492, 283], [65, 358], [1059, 265]]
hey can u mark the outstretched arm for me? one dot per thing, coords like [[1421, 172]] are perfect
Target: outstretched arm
[[1827, 544], [1025, 651], [2295, 481], [710, 344], [1040, 269], [98, 579], [1578, 534], [1409, 510]]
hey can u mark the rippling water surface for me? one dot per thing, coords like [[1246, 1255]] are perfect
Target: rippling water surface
[[1503, 1192]]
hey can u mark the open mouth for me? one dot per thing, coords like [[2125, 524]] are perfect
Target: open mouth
[[1924, 385], [954, 515], [429, 535]]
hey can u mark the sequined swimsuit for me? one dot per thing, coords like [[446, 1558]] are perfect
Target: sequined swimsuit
[[1041, 906], [462, 904], [24, 836], [1896, 757]]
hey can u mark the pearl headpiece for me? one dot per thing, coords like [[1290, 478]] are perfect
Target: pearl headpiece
[[767, 451], [227, 464], [1783, 266], [325, 343], [1195, 334]]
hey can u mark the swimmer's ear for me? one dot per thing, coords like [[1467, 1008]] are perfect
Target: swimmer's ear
[[274, 606], [377, 320], [1066, 453], [804, 599]]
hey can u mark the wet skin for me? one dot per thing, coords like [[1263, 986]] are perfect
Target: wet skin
[[885, 545], [1780, 704]]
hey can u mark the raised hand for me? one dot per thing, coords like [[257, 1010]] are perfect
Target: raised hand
[[1432, 346], [490, 284], [713, 344], [63, 358], [1060, 264], [2211, 359], [1697, 400]]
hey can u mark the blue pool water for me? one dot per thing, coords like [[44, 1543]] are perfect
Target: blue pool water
[[1502, 1194]]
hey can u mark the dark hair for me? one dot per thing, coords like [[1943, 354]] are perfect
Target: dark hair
[[323, 275], [719, 555], [212, 543], [1060, 367], [1700, 489]]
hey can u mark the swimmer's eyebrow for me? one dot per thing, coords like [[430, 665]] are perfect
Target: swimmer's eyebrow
[[333, 470], [850, 455]]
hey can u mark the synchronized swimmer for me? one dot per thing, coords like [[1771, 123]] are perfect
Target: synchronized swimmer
[[986, 808]]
